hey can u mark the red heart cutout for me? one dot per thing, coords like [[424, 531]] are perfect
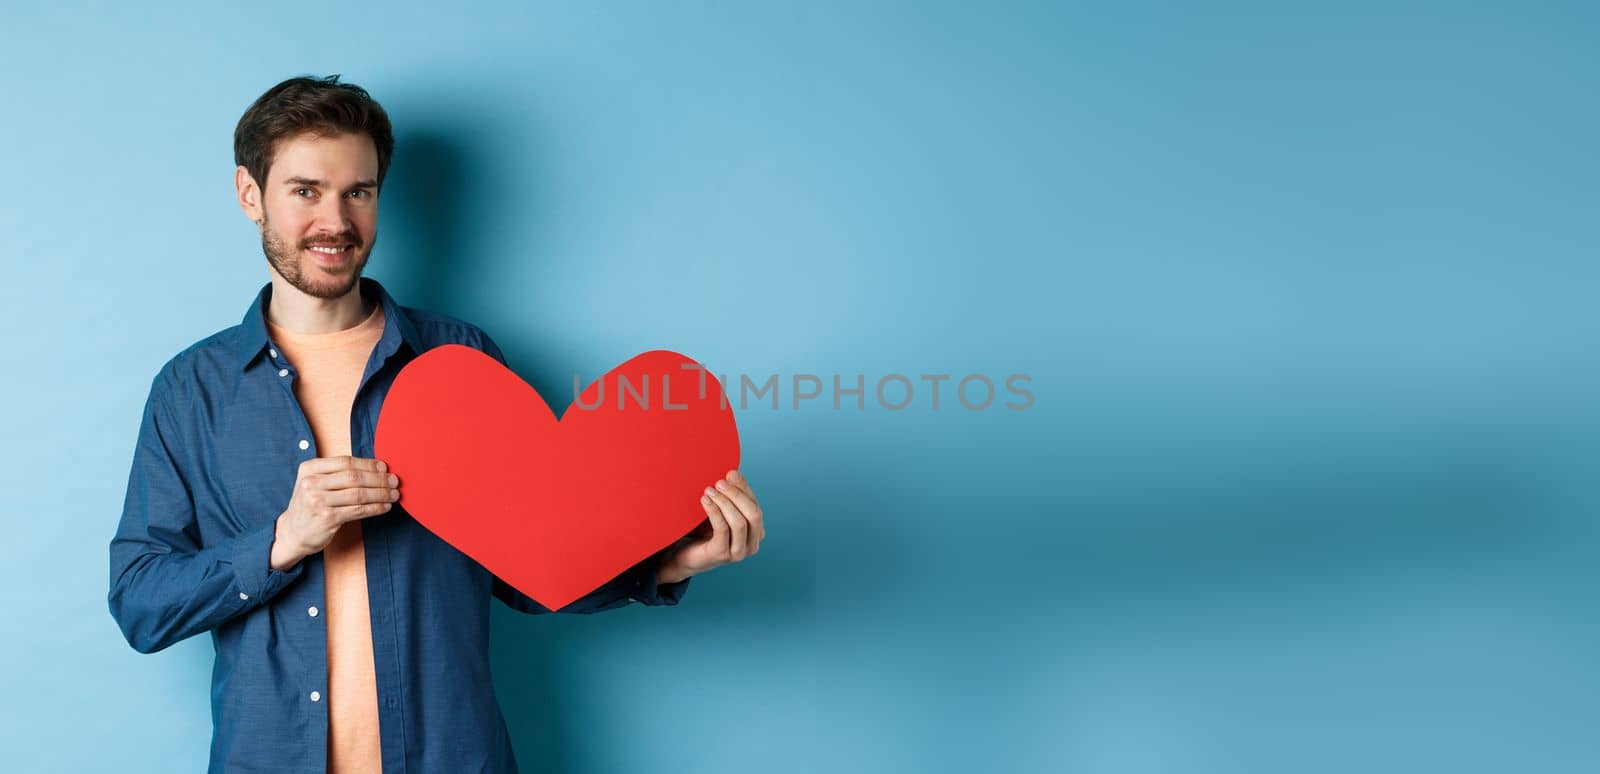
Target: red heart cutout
[[556, 508]]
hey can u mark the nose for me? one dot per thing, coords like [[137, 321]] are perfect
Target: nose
[[333, 217]]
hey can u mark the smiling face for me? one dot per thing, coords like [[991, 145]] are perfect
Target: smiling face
[[318, 211]]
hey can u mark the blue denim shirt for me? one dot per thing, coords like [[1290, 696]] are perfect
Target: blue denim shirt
[[217, 456]]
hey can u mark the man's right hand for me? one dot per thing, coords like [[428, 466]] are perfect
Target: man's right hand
[[328, 493]]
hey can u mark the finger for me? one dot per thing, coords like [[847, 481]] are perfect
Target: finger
[[749, 508], [737, 479], [321, 465], [352, 479], [361, 495], [342, 462], [738, 527], [348, 513], [752, 513], [720, 533]]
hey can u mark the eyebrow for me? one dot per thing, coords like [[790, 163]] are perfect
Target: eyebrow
[[324, 184]]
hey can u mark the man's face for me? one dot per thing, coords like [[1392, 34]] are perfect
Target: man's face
[[320, 192]]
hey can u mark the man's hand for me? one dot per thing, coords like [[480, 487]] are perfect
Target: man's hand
[[733, 531], [328, 493]]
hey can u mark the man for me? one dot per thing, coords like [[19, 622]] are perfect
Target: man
[[347, 637]]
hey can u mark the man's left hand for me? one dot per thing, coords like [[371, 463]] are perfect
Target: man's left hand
[[732, 532]]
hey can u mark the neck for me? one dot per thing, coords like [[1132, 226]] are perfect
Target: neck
[[292, 309]]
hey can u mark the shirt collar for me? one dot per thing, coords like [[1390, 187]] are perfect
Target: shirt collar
[[396, 325]]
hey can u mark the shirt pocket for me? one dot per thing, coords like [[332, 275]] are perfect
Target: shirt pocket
[[249, 504], [254, 471]]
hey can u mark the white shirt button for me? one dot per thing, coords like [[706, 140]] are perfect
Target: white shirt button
[[316, 696], [304, 444], [243, 595], [283, 372], [312, 611], [272, 352]]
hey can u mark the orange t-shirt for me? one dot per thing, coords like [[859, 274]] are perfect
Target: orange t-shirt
[[330, 366]]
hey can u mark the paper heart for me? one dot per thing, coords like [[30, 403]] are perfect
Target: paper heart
[[555, 507]]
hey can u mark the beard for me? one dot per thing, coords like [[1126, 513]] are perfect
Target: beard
[[306, 275]]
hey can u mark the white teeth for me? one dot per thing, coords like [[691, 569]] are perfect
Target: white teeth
[[329, 250]]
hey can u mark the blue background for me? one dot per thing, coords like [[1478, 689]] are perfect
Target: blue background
[[1306, 293]]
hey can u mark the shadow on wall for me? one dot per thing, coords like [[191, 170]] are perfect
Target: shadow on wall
[[426, 248]]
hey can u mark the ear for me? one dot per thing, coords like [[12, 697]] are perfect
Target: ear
[[249, 193]]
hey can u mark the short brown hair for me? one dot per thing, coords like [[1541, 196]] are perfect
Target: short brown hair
[[320, 106]]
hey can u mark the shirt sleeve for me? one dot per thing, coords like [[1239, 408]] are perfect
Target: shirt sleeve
[[636, 584], [166, 586]]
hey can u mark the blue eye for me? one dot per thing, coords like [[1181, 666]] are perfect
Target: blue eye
[[298, 190], [362, 193]]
